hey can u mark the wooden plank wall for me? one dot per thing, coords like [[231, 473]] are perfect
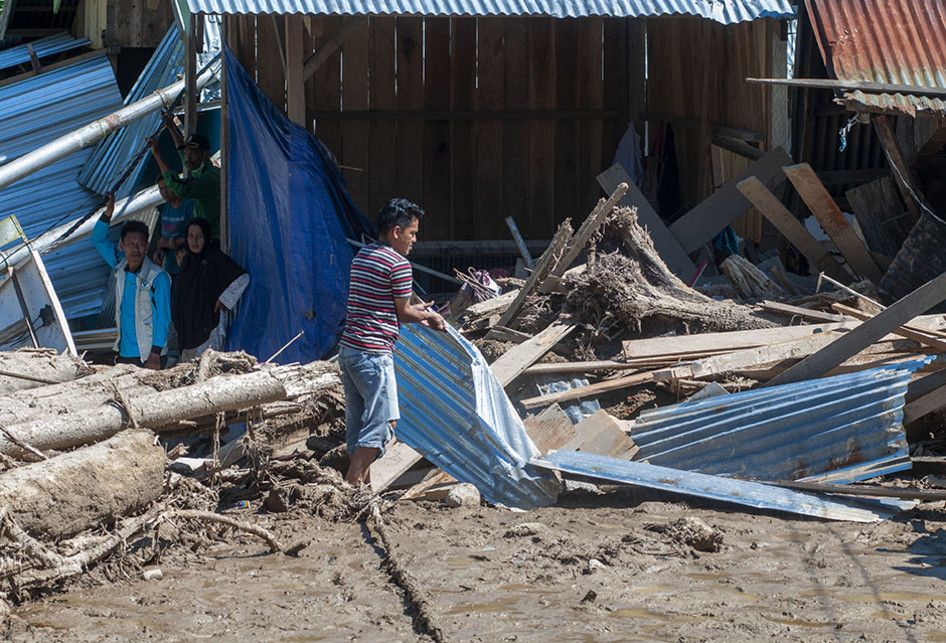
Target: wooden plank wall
[[405, 104], [697, 69]]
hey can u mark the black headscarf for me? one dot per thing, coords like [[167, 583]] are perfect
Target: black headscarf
[[201, 281]]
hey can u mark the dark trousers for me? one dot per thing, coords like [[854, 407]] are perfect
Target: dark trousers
[[137, 361]]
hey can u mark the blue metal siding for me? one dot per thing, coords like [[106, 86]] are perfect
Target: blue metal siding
[[112, 155], [740, 492], [724, 11], [843, 428], [36, 111], [43, 47], [455, 412]]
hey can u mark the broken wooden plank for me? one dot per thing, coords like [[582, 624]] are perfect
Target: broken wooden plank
[[709, 218], [910, 332], [543, 268], [804, 313], [395, 462], [790, 227], [491, 306], [917, 302], [749, 358], [601, 434], [829, 215], [513, 362], [503, 334], [587, 229], [421, 488], [550, 430], [666, 244], [588, 391], [556, 368]]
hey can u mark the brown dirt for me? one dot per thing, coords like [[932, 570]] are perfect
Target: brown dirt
[[614, 566]]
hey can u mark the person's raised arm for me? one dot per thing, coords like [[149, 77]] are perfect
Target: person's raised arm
[[105, 248], [171, 127]]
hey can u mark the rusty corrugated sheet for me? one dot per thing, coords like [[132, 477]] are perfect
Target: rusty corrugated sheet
[[901, 42]]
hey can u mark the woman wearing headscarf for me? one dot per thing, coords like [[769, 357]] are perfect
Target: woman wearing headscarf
[[208, 286]]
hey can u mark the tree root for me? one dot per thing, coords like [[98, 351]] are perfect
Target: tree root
[[208, 516]]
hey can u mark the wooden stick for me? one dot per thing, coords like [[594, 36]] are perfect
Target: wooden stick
[[910, 332], [587, 391], [208, 516]]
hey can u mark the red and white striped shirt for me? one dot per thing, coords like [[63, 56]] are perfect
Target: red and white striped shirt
[[378, 275]]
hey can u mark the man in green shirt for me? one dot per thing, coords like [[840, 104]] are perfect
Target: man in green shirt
[[203, 184]]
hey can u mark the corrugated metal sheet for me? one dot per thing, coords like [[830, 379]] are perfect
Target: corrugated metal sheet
[[455, 412], [36, 111], [842, 428], [724, 11], [902, 42], [741, 492], [112, 155], [43, 47]]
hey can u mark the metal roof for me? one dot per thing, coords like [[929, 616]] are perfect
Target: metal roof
[[843, 428], [36, 111], [900, 42], [740, 492], [111, 156], [455, 412], [43, 48], [724, 11]]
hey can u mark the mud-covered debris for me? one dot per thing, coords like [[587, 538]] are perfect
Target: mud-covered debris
[[463, 495], [526, 530], [691, 532]]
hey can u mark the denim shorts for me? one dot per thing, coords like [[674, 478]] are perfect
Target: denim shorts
[[370, 398]]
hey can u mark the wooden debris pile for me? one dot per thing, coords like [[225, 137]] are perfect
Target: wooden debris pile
[[85, 482]]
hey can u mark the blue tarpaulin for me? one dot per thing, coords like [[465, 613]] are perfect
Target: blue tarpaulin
[[289, 215]]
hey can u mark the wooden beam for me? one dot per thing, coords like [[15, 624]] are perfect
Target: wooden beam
[[517, 359], [330, 46], [578, 367], [933, 401], [853, 85], [588, 391], [58, 65], [543, 268], [749, 358], [829, 215], [469, 115], [295, 78], [503, 334], [550, 430], [601, 434], [832, 221], [804, 313], [739, 147], [917, 302], [664, 242], [710, 217], [791, 228], [190, 79], [905, 330]]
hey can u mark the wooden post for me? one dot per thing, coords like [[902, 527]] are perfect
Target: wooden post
[[190, 80], [224, 145], [900, 168], [295, 82]]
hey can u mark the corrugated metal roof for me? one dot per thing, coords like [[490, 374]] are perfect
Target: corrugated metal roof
[[724, 11], [43, 47], [36, 111], [740, 492], [112, 155], [848, 427], [455, 412], [901, 42]]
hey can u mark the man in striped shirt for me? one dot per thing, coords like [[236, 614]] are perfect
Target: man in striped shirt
[[378, 301]]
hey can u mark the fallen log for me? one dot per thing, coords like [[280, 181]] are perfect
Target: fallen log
[[30, 368], [216, 395], [72, 492]]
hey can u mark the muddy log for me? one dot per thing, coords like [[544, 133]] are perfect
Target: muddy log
[[72, 492], [216, 395], [633, 284], [31, 368]]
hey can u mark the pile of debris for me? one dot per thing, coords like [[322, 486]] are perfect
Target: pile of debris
[[90, 457]]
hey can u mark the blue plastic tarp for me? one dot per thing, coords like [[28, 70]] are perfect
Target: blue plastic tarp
[[289, 215]]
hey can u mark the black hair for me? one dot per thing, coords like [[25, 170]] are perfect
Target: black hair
[[204, 226], [398, 212], [139, 227]]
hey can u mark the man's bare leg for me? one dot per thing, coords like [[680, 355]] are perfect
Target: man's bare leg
[[359, 468]]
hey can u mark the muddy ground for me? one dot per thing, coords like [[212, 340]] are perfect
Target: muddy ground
[[494, 575]]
